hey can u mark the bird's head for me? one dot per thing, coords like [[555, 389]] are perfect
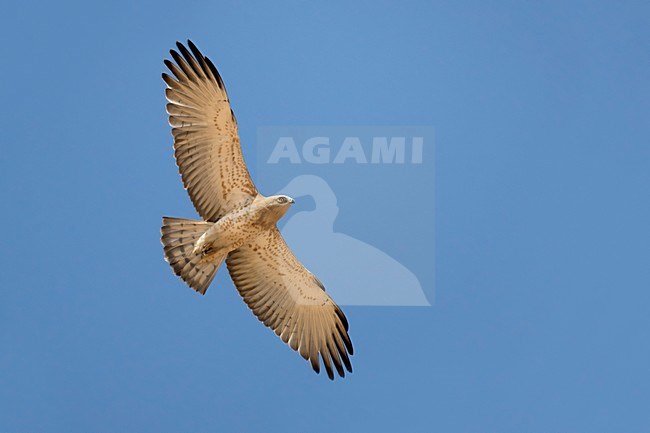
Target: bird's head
[[280, 202], [278, 205]]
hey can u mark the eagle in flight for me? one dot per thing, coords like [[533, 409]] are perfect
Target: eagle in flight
[[238, 223]]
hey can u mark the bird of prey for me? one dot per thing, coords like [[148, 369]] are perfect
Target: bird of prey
[[238, 223]]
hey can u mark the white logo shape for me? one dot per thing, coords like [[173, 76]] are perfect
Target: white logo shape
[[353, 272]]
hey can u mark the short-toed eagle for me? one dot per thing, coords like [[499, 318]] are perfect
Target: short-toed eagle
[[239, 223]]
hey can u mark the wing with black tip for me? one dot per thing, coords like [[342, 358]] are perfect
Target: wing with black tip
[[291, 301], [206, 140]]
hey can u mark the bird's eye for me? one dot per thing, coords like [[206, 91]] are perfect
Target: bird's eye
[[282, 199]]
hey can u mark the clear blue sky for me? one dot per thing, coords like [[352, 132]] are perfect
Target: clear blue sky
[[541, 314]]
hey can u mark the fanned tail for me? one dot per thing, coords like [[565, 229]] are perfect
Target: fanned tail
[[178, 238]]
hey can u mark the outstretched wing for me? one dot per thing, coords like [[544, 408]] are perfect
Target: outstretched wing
[[206, 141], [291, 301]]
